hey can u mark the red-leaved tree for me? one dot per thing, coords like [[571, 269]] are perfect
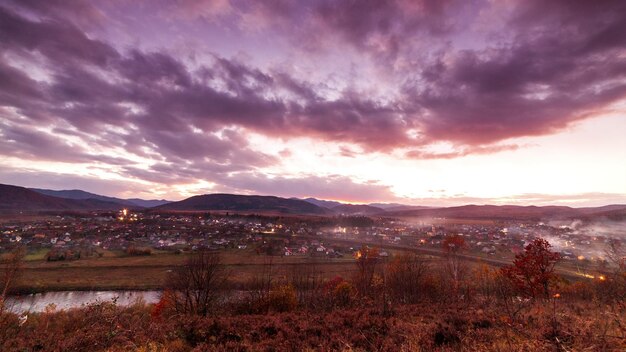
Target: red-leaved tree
[[532, 271]]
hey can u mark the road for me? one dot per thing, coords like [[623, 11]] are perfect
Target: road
[[565, 272]]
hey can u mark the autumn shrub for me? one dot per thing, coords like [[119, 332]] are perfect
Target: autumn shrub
[[164, 307], [60, 254], [138, 251], [282, 299], [405, 277], [339, 293], [343, 294], [485, 281]]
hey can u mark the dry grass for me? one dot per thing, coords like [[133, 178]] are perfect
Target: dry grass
[[582, 326], [149, 272]]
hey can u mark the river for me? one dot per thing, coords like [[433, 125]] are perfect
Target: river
[[62, 300]]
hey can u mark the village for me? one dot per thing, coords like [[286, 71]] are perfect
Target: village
[[128, 233]]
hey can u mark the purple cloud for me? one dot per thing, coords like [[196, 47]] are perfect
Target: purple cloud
[[330, 187], [536, 71]]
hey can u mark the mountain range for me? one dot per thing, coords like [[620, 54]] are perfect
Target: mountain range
[[16, 199], [234, 202], [80, 194], [19, 199]]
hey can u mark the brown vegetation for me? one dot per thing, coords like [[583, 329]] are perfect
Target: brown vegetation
[[403, 304], [196, 287], [10, 269], [137, 251]]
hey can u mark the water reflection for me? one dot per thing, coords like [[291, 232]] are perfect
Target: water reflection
[[74, 299]]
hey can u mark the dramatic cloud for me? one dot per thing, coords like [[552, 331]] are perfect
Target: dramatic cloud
[[539, 84], [171, 92], [329, 187]]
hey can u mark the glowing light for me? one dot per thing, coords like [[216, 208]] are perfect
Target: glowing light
[[601, 277], [581, 257], [125, 212]]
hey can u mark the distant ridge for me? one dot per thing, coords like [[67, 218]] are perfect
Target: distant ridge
[[505, 212], [357, 209], [15, 199], [148, 203], [329, 204], [398, 206], [233, 202], [380, 207], [80, 194]]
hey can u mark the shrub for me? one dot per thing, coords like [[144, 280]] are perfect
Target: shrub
[[197, 286], [282, 299], [62, 254], [137, 251], [405, 277]]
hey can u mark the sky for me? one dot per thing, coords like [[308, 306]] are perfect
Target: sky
[[419, 102]]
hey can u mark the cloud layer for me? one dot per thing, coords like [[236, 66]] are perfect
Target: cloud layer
[[78, 84]]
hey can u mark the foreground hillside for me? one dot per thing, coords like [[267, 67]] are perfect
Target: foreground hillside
[[568, 326], [404, 304]]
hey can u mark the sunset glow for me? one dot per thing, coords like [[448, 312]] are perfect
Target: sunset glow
[[416, 102]]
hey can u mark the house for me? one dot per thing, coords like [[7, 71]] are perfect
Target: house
[[488, 250]]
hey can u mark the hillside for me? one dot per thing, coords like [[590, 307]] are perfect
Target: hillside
[[148, 203], [398, 206], [329, 204], [15, 198], [78, 194], [505, 212], [357, 209], [233, 202], [81, 195]]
